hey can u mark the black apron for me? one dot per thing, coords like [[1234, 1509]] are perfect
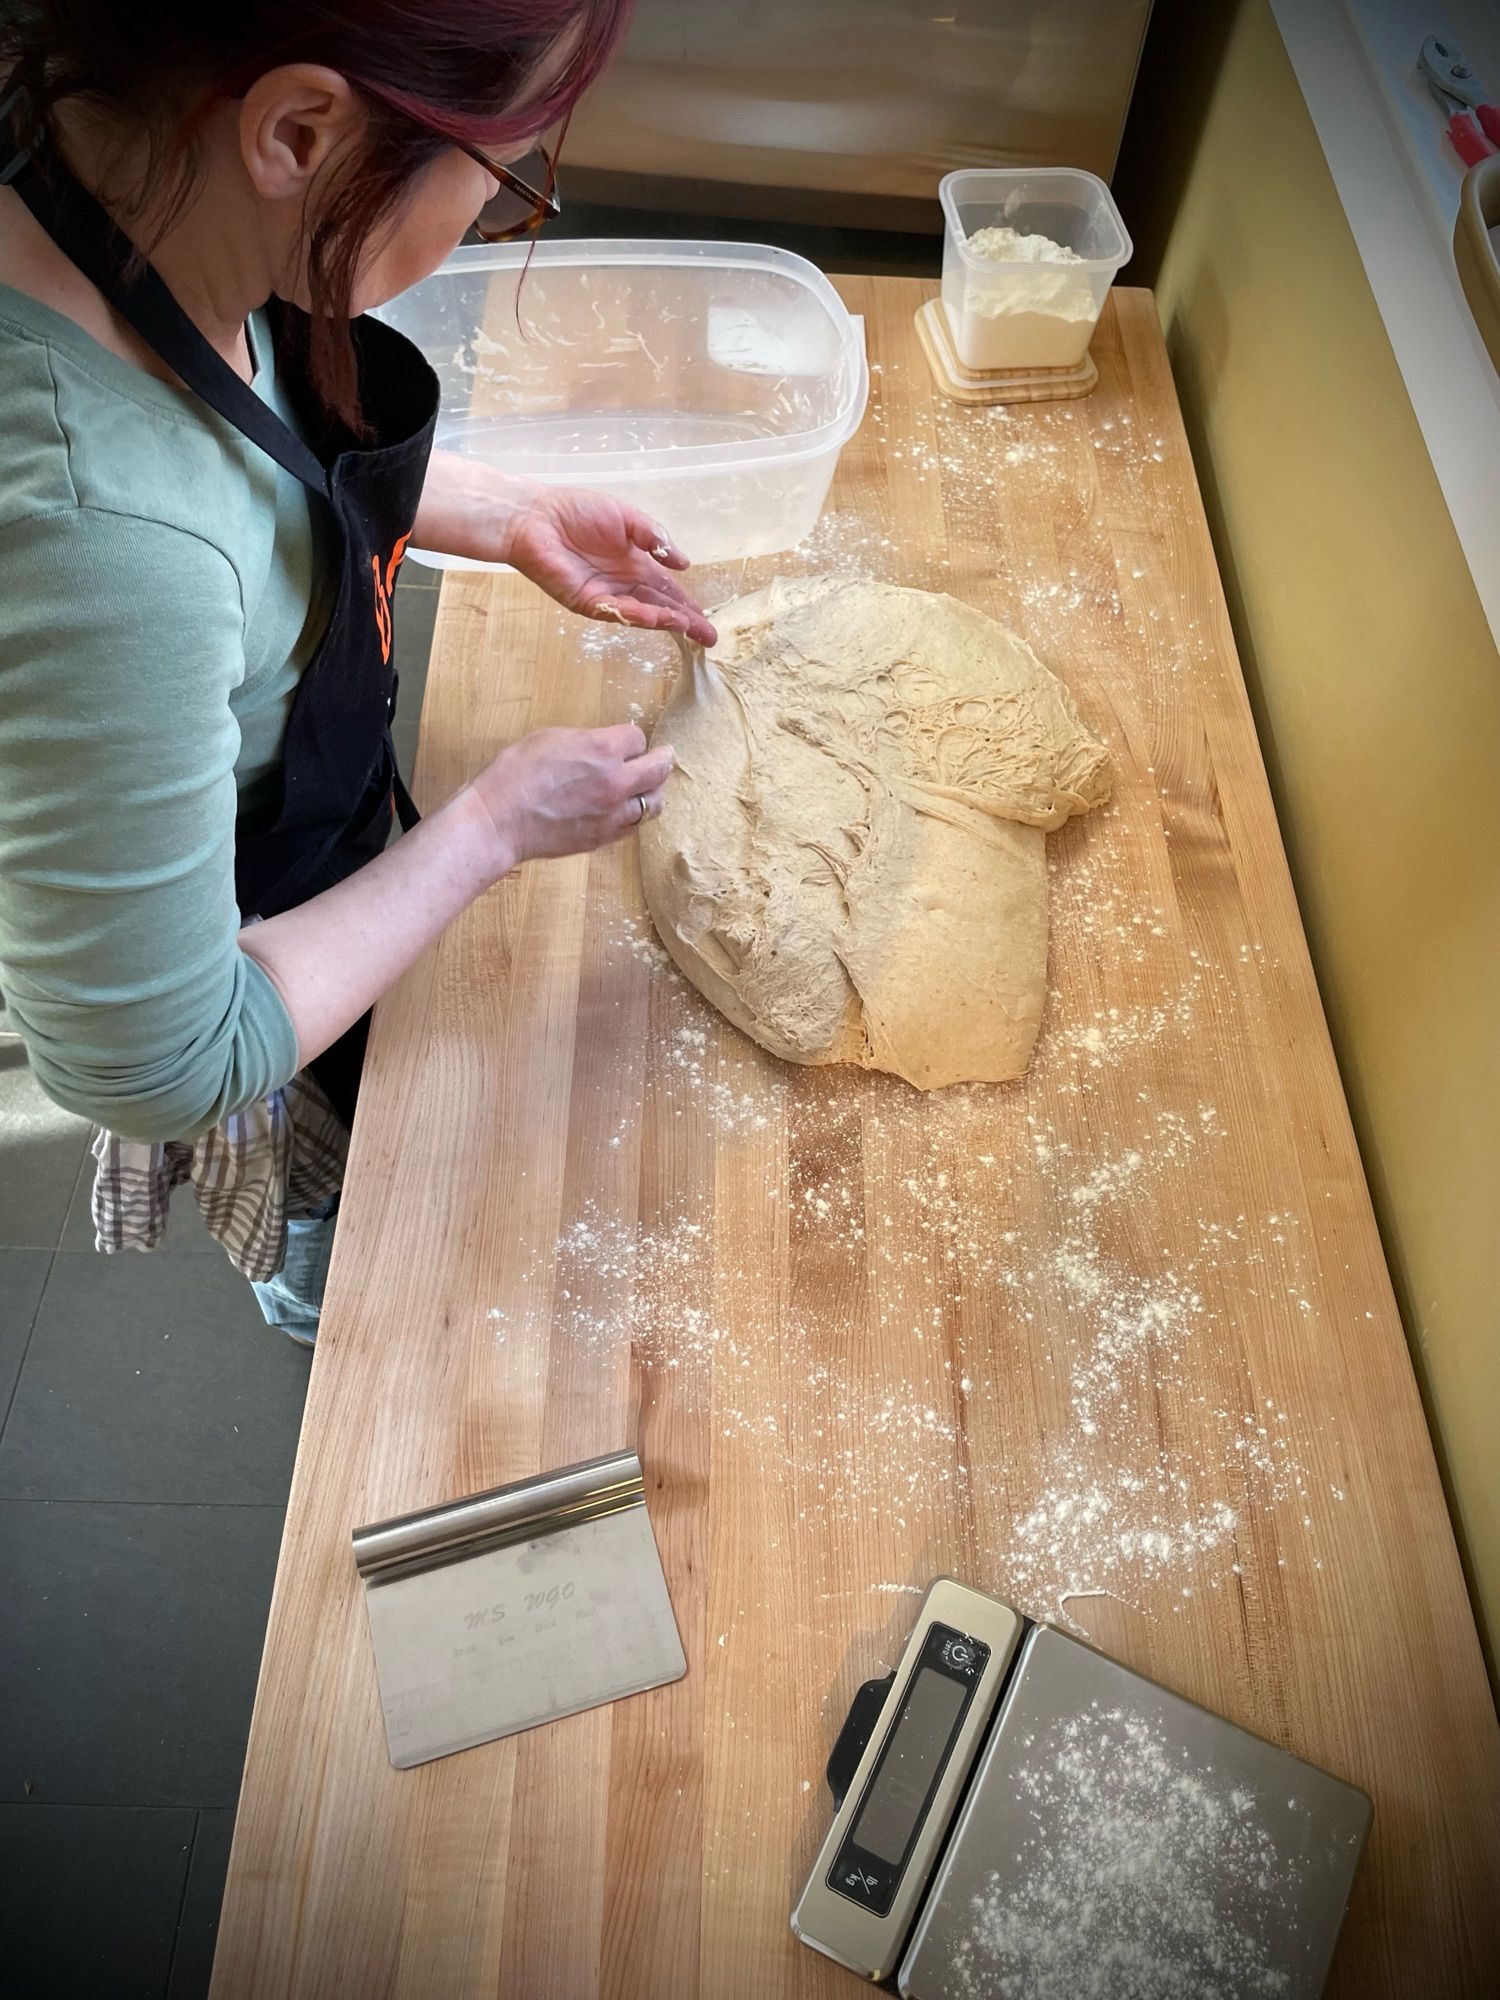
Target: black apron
[[339, 781]]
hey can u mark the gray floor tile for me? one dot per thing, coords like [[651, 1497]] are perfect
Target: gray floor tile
[[193, 1961], [404, 737], [41, 1150], [22, 1275], [416, 614], [89, 1899], [153, 1378], [129, 1650], [416, 611], [185, 1230]]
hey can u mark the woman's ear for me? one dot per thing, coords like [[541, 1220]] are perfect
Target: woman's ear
[[292, 121]]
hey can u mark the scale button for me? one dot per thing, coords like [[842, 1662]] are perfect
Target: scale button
[[960, 1654]]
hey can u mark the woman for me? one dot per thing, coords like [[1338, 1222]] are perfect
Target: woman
[[213, 470]]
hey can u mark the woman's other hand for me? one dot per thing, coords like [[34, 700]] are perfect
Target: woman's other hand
[[596, 556], [568, 791], [558, 791], [604, 559]]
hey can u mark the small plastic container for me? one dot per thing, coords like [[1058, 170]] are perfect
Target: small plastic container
[[712, 384], [1016, 313]]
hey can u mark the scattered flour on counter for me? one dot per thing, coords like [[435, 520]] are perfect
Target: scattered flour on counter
[[1125, 1494], [1136, 1323], [616, 1283], [1004, 1243], [1094, 900], [741, 1091], [1142, 1881], [848, 543], [876, 1447], [1118, 1032], [636, 938], [1139, 1476]]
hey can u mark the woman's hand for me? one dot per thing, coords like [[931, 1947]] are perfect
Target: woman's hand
[[559, 791], [595, 555], [568, 791], [604, 559]]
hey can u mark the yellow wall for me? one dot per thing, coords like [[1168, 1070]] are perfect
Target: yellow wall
[[1377, 689]]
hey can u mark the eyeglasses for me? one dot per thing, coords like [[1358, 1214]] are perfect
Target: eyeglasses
[[521, 205]]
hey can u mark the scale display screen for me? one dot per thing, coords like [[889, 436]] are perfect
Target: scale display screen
[[912, 1761], [894, 1803]]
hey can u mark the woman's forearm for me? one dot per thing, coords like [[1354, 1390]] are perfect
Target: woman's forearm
[[332, 957], [467, 508], [555, 792]]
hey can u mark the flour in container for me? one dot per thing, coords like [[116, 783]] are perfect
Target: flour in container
[[1030, 304]]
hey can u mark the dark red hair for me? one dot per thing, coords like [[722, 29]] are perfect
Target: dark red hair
[[464, 69]]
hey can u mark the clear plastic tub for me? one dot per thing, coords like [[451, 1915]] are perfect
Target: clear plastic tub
[[1016, 312], [712, 384]]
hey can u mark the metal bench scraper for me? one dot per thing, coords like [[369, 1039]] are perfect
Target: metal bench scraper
[[515, 1607]]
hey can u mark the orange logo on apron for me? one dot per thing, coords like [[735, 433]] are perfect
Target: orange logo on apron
[[384, 585]]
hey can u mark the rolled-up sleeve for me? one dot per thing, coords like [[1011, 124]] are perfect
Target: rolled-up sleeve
[[121, 641]]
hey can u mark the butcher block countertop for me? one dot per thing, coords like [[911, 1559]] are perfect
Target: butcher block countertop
[[1115, 1343]]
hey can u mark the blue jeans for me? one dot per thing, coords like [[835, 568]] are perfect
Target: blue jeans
[[293, 1299]]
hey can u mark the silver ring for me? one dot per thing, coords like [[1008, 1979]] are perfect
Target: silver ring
[[641, 802]]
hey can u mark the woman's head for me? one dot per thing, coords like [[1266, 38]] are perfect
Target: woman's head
[[346, 115]]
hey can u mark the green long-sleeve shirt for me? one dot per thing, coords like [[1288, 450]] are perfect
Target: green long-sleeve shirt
[[159, 596]]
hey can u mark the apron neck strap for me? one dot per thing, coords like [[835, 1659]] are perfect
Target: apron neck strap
[[90, 240]]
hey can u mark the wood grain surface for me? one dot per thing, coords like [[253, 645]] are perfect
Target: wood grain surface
[[1116, 1343]]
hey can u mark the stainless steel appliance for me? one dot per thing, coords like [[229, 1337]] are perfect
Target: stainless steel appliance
[[849, 111]]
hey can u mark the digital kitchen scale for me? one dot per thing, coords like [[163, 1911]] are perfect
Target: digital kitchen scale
[[1020, 1816]]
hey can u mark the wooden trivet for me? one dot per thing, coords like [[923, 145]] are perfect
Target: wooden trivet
[[972, 385]]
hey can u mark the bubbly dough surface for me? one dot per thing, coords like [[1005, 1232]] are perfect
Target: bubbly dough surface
[[850, 859]]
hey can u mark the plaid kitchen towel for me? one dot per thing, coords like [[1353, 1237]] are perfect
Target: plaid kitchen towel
[[280, 1157]]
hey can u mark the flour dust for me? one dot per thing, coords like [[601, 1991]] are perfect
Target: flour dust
[[1014, 1351], [1140, 1877]]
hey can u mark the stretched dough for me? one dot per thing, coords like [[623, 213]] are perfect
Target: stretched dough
[[850, 863]]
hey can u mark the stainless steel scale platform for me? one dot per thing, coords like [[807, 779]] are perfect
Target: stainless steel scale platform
[[1020, 1816]]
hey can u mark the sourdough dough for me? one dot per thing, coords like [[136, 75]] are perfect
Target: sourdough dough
[[850, 863]]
